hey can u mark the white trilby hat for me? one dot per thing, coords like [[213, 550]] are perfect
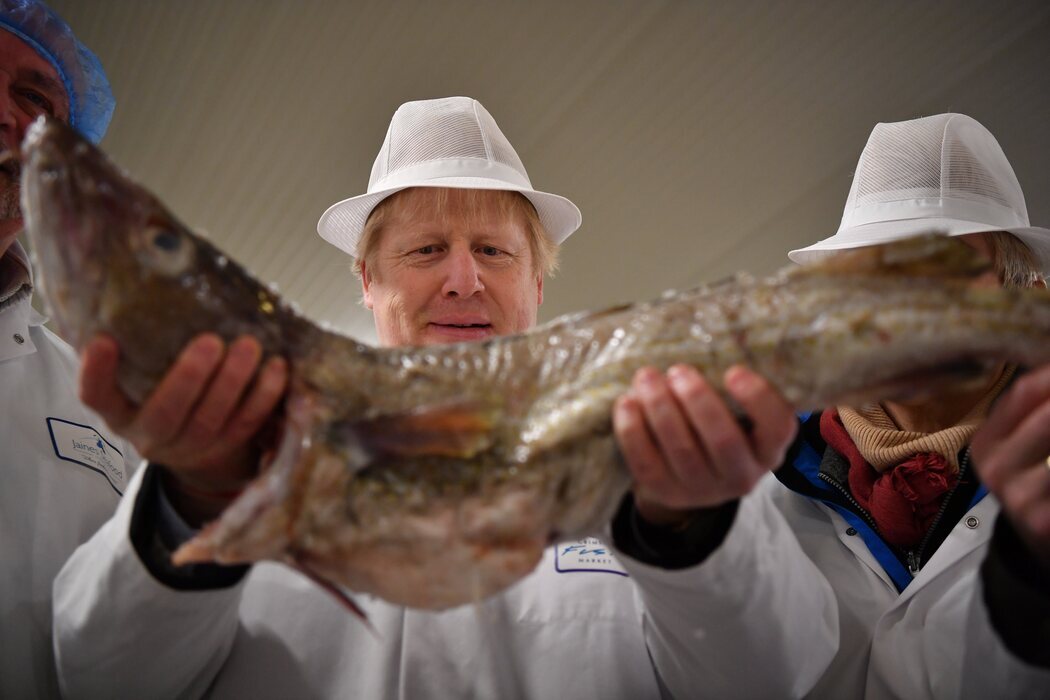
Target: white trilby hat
[[447, 142], [942, 174]]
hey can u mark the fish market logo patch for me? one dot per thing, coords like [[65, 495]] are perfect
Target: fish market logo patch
[[83, 445], [588, 554]]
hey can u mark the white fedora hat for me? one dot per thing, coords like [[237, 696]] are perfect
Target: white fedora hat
[[448, 142], [942, 174]]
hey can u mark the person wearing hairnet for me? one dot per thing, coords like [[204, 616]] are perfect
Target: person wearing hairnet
[[930, 516], [62, 470], [691, 592]]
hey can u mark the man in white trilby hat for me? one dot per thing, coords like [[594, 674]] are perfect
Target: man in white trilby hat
[[930, 518], [944, 174], [691, 592]]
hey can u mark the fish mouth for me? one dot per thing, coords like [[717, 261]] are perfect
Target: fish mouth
[[66, 242]]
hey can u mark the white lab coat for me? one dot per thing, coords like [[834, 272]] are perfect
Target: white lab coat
[[935, 639], [754, 620], [62, 472]]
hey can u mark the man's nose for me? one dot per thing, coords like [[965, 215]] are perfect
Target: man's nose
[[9, 136], [462, 277]]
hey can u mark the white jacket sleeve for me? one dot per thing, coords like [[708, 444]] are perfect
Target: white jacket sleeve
[[756, 619], [119, 632]]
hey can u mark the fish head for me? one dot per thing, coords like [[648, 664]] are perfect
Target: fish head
[[94, 236], [114, 260]]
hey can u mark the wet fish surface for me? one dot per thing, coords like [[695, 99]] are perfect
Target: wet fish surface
[[436, 476]]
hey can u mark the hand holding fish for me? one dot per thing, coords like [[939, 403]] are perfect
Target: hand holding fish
[[1010, 454], [200, 420], [684, 447]]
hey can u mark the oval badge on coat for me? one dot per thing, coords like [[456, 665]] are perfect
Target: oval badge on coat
[[83, 445], [588, 554]]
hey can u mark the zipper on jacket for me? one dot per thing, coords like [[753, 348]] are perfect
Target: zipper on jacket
[[844, 492], [916, 556]]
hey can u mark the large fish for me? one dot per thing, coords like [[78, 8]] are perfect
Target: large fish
[[436, 476]]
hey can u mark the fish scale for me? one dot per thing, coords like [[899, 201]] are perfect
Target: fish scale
[[434, 476]]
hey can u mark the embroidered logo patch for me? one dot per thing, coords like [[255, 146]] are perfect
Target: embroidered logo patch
[[83, 445], [588, 554]]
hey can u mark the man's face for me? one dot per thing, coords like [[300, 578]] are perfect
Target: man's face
[[462, 274], [29, 87]]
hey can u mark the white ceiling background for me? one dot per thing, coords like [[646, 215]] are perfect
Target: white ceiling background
[[698, 138]]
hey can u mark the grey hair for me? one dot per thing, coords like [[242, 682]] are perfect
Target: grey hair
[[1014, 261]]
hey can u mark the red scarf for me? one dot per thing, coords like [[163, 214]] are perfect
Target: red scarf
[[904, 499]]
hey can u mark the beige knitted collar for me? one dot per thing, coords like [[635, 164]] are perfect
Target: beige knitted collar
[[884, 445]]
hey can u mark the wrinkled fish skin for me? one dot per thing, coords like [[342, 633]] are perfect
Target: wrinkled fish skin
[[435, 476]]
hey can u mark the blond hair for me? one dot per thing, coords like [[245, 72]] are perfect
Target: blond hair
[[510, 204]]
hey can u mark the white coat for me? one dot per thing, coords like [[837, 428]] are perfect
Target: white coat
[[738, 625], [934, 639], [62, 472]]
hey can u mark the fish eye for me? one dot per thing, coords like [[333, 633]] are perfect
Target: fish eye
[[166, 240], [164, 249]]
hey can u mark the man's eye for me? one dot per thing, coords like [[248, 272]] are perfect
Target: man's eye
[[427, 250], [38, 100]]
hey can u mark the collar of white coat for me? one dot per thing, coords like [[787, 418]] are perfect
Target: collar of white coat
[[15, 269], [17, 317]]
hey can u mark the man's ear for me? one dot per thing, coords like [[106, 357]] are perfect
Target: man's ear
[[366, 285], [539, 289]]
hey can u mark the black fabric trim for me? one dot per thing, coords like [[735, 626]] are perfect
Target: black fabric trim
[[1017, 595], [155, 553], [792, 478], [675, 547], [795, 481], [960, 500]]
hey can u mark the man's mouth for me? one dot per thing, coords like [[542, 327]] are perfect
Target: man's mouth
[[462, 331]]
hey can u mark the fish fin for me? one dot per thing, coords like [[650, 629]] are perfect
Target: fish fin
[[253, 527], [256, 525], [300, 565], [447, 430], [931, 255], [197, 550]]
